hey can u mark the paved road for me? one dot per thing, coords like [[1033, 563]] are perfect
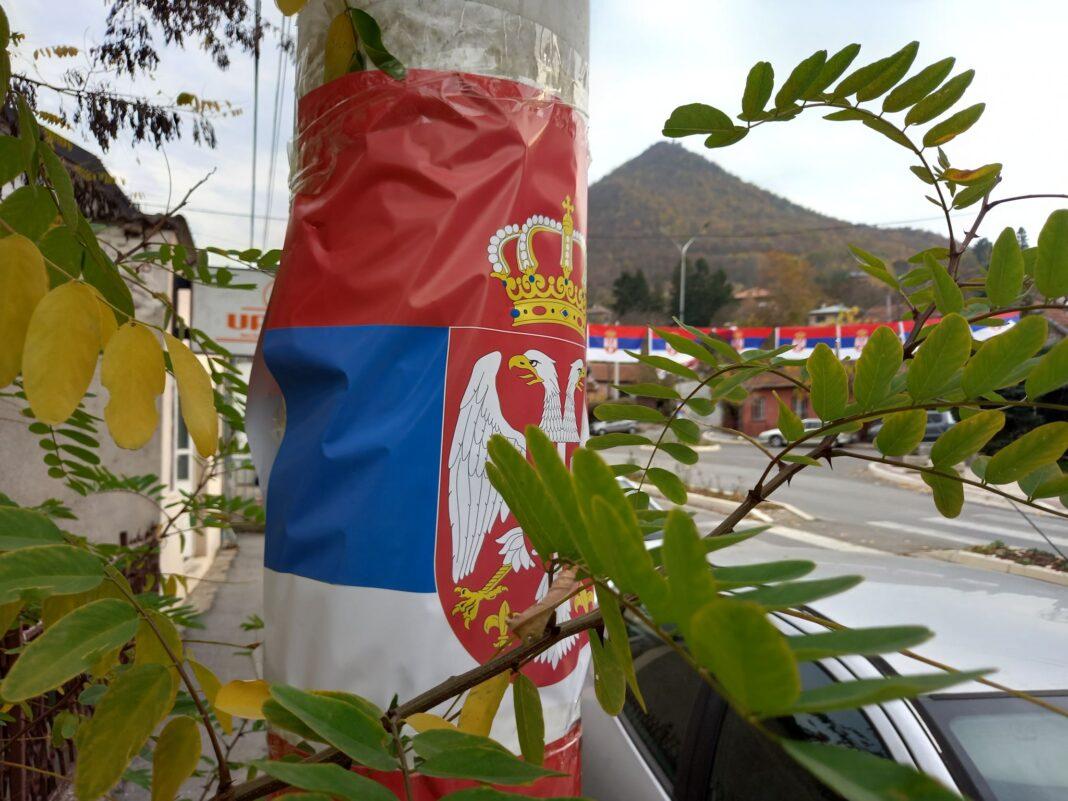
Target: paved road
[[852, 505]]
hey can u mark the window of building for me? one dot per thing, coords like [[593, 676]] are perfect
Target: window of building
[[800, 404], [758, 407]]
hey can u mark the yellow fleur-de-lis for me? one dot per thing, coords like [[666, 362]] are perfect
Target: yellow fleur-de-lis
[[499, 622], [583, 600]]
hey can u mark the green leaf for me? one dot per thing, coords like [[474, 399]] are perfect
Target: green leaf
[[879, 362], [800, 458], [52, 569], [712, 544], [797, 593], [455, 755], [966, 438], [649, 391], [686, 430], [529, 723], [126, 715], [696, 118], [69, 647], [147, 645], [688, 346], [874, 266], [606, 441], [29, 210], [679, 452], [332, 780], [830, 385], [64, 254], [748, 656], [940, 101], [668, 483], [947, 491], [543, 501], [948, 296], [61, 185], [618, 640], [861, 642], [887, 129], [1004, 278], [175, 758], [1039, 446], [627, 411], [23, 528], [665, 364], [859, 776], [100, 272], [12, 159], [1051, 488], [901, 432], [702, 406], [609, 683], [918, 86], [370, 39], [943, 352], [726, 138], [953, 126], [345, 727], [1050, 373], [728, 578], [689, 577], [923, 174], [973, 194], [758, 86], [898, 64], [868, 692], [831, 71], [1051, 262], [789, 423], [979, 175], [802, 76], [999, 356], [492, 794]]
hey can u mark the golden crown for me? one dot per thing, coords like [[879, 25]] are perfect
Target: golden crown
[[536, 297]]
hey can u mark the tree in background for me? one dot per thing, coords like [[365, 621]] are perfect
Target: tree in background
[[1021, 237], [793, 289], [631, 292], [982, 249], [707, 292]]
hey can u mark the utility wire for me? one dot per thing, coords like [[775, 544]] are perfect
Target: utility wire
[[276, 124], [255, 126]]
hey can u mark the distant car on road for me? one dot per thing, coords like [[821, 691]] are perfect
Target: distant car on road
[[775, 437], [938, 422], [598, 427], [988, 746]]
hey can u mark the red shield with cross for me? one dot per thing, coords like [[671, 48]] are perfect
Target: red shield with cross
[[525, 366]]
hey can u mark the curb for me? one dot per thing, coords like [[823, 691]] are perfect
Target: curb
[[996, 565], [973, 494]]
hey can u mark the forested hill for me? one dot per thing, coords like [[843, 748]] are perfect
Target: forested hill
[[668, 188]]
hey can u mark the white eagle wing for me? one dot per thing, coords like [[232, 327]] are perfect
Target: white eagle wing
[[473, 502]]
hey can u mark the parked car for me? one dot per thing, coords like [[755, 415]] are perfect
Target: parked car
[[598, 427], [990, 746], [938, 422], [775, 437]]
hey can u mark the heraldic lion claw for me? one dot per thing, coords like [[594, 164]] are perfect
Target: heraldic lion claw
[[471, 599]]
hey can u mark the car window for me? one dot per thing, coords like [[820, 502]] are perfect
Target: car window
[[746, 765], [670, 688]]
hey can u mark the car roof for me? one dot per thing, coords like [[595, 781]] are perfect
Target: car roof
[[981, 619]]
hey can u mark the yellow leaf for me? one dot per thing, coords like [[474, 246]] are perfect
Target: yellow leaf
[[9, 614], [209, 685], [134, 375], [55, 607], [59, 358], [148, 650], [340, 45], [175, 758], [23, 282], [290, 7], [423, 721], [481, 705], [108, 323], [243, 699], [196, 395]]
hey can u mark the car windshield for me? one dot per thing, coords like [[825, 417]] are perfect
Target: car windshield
[[1010, 749]]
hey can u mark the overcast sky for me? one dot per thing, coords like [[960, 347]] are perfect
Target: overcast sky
[[648, 57]]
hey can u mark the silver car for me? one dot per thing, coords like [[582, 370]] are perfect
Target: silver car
[[990, 746]]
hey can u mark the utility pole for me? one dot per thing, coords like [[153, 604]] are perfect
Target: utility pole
[[683, 247], [402, 282]]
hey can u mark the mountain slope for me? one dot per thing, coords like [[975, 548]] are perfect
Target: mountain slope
[[668, 188]]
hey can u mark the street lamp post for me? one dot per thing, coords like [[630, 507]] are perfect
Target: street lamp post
[[682, 275]]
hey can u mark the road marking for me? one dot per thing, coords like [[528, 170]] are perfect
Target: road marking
[[820, 541], [1042, 521], [999, 531], [928, 532]]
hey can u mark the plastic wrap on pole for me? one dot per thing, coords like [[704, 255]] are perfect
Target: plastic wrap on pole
[[432, 292]]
